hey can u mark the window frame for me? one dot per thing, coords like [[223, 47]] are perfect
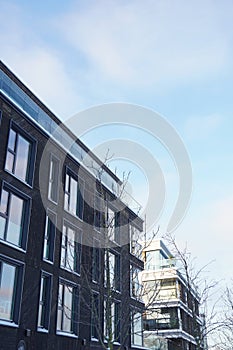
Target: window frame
[[31, 155], [95, 296], [18, 288], [78, 231], [45, 303], [53, 179], [49, 237], [78, 196], [25, 215], [132, 325], [74, 328], [115, 276]]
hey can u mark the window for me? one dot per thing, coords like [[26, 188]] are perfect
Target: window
[[135, 246], [11, 274], [49, 237], [98, 211], [44, 301], [110, 223], [14, 216], [95, 316], [74, 196], [20, 155], [71, 248], [96, 260], [53, 179], [112, 270], [135, 282], [136, 329], [112, 317], [67, 312]]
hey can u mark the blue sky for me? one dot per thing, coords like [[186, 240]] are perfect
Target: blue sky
[[174, 57]]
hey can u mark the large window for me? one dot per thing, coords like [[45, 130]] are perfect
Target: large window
[[14, 216], [44, 301], [49, 237], [20, 154], [74, 196], [53, 179], [112, 270], [71, 248], [136, 329], [10, 289], [68, 308]]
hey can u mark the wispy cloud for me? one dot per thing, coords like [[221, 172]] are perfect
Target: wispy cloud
[[149, 42]]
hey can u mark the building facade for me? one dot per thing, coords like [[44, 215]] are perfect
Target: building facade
[[172, 320], [67, 242]]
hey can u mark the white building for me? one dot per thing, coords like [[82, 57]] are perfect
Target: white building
[[172, 319]]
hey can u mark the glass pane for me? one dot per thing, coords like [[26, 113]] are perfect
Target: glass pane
[[9, 161], [2, 227], [4, 201], [21, 165], [7, 291], [15, 220], [67, 309], [73, 195], [11, 141], [70, 248]]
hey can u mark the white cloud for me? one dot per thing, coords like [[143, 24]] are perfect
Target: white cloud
[[149, 42]]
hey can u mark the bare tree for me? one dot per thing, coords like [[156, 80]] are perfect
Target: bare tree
[[204, 315]]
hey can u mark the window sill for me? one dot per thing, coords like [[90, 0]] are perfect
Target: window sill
[[18, 178], [12, 245], [8, 323], [94, 340], [42, 330], [73, 215], [67, 334]]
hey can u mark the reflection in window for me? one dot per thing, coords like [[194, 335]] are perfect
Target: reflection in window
[[67, 313], [44, 301], [13, 211], [112, 320], [53, 179], [135, 283], [50, 230], [7, 289], [112, 270], [73, 196], [71, 248], [96, 260], [136, 329], [20, 155]]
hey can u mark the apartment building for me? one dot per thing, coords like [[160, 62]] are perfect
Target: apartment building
[[66, 239], [172, 320]]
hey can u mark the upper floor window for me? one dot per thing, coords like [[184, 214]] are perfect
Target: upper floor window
[[49, 237], [112, 270], [14, 217], [74, 196], [96, 260], [135, 282], [135, 246], [53, 179], [10, 289], [67, 312], [98, 209], [71, 248], [20, 155], [44, 301]]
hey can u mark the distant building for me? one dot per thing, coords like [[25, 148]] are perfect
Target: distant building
[[172, 315], [53, 257]]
